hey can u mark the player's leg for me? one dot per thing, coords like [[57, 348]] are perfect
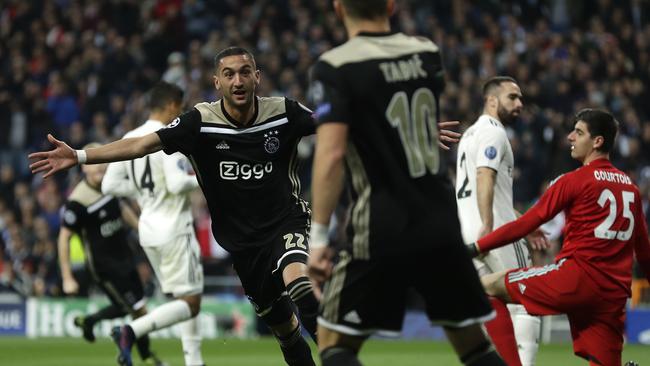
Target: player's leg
[[362, 297], [87, 323], [527, 330], [191, 332], [337, 348], [125, 291], [284, 325], [291, 252], [494, 285], [143, 344], [472, 346], [459, 303], [500, 328], [180, 273], [598, 338], [502, 333], [259, 272], [300, 290]]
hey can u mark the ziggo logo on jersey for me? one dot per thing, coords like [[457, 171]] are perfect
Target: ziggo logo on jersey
[[232, 170]]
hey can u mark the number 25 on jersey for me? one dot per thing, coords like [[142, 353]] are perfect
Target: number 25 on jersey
[[603, 231]]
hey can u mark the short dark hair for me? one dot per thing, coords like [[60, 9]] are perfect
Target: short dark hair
[[366, 9], [232, 51], [164, 93], [599, 123], [495, 82]]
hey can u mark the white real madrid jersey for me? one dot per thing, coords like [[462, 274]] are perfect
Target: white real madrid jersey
[[161, 184], [484, 144]]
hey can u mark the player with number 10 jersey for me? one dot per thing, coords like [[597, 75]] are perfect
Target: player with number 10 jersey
[[403, 230]]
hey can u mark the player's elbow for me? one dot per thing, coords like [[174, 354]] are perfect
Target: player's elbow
[[334, 154], [175, 188], [111, 186], [181, 186], [145, 145]]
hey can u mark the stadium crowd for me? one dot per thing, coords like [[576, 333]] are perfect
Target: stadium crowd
[[79, 69]]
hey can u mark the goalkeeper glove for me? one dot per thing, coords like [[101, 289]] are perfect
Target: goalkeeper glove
[[472, 250]]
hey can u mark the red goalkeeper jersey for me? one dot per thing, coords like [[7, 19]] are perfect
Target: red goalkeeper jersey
[[604, 224]]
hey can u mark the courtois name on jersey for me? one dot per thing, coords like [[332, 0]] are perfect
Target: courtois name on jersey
[[248, 174]]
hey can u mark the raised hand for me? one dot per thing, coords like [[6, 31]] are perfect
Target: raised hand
[[320, 264], [537, 240], [61, 158], [447, 136], [70, 286]]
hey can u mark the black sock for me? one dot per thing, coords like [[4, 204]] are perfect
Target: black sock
[[142, 344], [339, 356], [302, 294], [109, 312], [483, 355], [295, 349]]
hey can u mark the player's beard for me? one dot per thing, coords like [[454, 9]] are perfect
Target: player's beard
[[505, 116]]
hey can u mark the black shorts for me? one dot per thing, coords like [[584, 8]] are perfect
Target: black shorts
[[260, 269], [367, 296], [123, 286]]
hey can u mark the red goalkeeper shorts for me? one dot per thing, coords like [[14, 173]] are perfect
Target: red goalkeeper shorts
[[597, 323]]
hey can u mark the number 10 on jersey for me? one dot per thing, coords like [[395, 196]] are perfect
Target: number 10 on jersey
[[417, 129]]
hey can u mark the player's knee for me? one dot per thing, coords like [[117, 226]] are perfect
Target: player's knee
[[194, 302], [301, 292], [139, 312], [493, 284], [293, 270], [280, 317]]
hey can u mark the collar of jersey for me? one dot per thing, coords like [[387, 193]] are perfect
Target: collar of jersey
[[375, 34], [91, 187], [235, 122]]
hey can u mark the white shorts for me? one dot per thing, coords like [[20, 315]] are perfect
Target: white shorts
[[178, 265], [509, 257]]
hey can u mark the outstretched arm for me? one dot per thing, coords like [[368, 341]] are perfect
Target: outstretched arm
[[64, 157], [511, 231], [558, 196]]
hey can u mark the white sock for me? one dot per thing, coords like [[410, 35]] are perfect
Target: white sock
[[161, 317], [191, 339], [527, 329]]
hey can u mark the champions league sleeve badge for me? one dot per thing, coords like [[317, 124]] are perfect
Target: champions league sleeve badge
[[174, 123], [271, 142], [69, 217], [490, 152]]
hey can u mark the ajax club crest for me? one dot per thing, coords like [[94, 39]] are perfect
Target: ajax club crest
[[271, 142]]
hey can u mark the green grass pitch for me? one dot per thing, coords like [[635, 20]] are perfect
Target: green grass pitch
[[261, 352]]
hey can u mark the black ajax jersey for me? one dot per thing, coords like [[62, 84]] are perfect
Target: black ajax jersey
[[98, 220], [386, 88], [248, 174]]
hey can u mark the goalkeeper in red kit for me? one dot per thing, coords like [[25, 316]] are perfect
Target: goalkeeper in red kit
[[605, 226]]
